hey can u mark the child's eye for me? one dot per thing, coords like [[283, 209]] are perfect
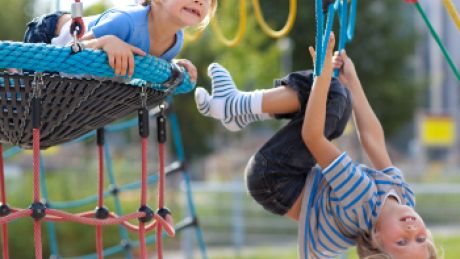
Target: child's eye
[[402, 242], [421, 239]]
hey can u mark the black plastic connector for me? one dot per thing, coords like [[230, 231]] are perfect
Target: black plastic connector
[[100, 136], [4, 210], [36, 112], [143, 115], [148, 214], [163, 212], [177, 77], [114, 190], [126, 244], [101, 213], [161, 128], [38, 210]]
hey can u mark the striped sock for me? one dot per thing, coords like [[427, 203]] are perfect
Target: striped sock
[[226, 100], [237, 123]]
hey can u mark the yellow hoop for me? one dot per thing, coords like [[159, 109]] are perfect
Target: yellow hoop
[[194, 36], [453, 12], [266, 28], [241, 28]]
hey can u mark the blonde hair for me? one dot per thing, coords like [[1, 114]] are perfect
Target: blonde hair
[[206, 20], [367, 250]]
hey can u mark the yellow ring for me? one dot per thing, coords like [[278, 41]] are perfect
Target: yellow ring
[[453, 12], [192, 37], [241, 28], [266, 28]]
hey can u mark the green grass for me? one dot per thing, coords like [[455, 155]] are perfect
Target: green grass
[[447, 246]]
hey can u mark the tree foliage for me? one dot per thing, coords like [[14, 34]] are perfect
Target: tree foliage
[[14, 16], [382, 44]]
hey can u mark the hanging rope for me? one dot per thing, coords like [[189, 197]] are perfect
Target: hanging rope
[[266, 28], [450, 7], [241, 28], [4, 209], [322, 35], [436, 37]]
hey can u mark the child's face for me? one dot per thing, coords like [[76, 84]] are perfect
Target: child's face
[[187, 12], [402, 233]]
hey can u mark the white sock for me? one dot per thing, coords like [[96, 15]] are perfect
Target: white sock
[[226, 100], [237, 123]]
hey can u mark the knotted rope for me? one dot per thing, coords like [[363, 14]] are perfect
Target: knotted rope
[[45, 57]]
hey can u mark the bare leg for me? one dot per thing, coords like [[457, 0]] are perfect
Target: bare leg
[[62, 20], [294, 211], [280, 100], [236, 109]]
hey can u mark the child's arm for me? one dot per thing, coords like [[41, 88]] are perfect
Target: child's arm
[[315, 115], [368, 126], [120, 54]]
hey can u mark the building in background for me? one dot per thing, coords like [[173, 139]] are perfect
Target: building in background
[[437, 122]]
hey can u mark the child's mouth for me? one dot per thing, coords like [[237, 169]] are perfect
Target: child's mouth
[[193, 11], [408, 219]]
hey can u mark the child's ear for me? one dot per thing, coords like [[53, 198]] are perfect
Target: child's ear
[[376, 239]]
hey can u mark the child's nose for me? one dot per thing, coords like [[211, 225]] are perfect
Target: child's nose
[[198, 2], [411, 227]]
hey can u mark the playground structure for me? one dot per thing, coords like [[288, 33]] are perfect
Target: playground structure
[[23, 88]]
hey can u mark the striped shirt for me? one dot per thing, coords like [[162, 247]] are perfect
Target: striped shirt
[[342, 202]]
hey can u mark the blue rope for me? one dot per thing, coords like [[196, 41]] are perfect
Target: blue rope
[[45, 57], [352, 21], [319, 37], [49, 225], [322, 35], [188, 187]]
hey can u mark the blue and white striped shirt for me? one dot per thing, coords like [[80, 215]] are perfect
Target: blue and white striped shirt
[[342, 202]]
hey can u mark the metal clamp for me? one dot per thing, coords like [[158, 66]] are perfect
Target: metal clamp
[[37, 84], [177, 77]]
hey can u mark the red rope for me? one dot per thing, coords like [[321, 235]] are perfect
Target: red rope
[[161, 183], [5, 251], [38, 239], [15, 215], [144, 183], [144, 188], [92, 221], [100, 203], [161, 191], [99, 243], [2, 177], [159, 242], [142, 243], [36, 162]]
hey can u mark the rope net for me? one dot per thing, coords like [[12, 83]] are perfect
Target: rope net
[[53, 110], [148, 220]]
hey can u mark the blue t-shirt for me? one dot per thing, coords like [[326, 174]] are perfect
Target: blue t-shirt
[[130, 24]]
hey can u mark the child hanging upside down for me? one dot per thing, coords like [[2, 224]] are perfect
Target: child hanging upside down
[[337, 202]]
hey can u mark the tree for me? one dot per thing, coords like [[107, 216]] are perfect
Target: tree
[[380, 49], [14, 17]]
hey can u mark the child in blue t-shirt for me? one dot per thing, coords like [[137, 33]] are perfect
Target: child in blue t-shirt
[[346, 204], [154, 27]]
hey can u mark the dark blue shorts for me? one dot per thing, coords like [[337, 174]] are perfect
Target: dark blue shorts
[[41, 29], [276, 174]]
